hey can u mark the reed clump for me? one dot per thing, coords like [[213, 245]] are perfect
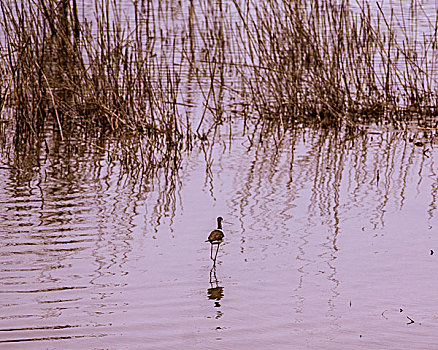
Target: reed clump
[[97, 74], [278, 64], [325, 63], [83, 79]]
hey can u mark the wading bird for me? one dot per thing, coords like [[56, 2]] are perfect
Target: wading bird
[[216, 237]]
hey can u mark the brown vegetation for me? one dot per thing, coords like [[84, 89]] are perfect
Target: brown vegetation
[[296, 63]]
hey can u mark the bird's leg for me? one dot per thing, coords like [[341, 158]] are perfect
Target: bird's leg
[[217, 250], [211, 251]]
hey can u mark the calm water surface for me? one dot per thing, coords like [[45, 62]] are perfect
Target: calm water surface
[[329, 244]]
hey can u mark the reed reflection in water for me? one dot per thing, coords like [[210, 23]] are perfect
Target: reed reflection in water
[[329, 245]]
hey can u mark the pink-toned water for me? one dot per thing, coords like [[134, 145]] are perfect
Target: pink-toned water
[[320, 252]]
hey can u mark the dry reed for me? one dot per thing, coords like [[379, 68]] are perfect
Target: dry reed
[[297, 62]]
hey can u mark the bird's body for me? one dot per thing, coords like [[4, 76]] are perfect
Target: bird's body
[[216, 237]]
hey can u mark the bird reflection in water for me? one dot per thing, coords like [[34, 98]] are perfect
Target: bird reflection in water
[[215, 292]]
